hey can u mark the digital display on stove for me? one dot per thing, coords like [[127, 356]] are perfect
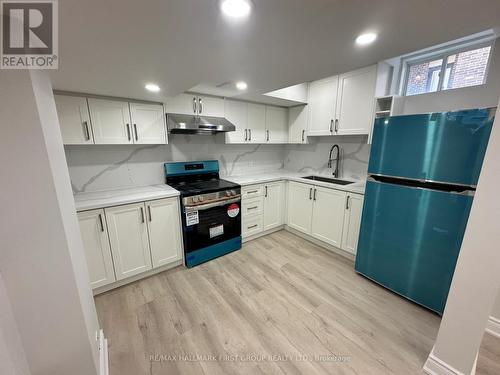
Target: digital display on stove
[[193, 167]]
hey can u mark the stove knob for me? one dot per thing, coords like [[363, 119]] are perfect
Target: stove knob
[[233, 192], [228, 193], [195, 199], [202, 198]]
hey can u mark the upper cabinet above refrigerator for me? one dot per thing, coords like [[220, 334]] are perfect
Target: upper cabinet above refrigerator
[[343, 105], [443, 147]]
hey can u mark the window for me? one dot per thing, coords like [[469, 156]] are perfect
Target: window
[[447, 71]]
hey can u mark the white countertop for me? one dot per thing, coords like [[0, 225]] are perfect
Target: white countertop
[[357, 187], [108, 198]]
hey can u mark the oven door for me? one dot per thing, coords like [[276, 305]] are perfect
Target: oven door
[[210, 224]]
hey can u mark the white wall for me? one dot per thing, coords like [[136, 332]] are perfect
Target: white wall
[[476, 280], [470, 97], [42, 260], [12, 357]]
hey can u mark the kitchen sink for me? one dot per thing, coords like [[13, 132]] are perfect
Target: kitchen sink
[[330, 180]]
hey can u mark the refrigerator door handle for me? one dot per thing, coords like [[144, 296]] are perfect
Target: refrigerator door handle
[[466, 192]]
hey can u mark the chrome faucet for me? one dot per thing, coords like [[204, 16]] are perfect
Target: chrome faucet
[[337, 160]]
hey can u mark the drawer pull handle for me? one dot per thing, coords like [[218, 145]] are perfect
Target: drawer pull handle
[[252, 192], [252, 208], [253, 226]]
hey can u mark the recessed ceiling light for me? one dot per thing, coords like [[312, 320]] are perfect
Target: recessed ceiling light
[[241, 85], [152, 87], [365, 39], [236, 8]]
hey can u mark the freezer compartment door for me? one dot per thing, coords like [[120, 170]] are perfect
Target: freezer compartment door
[[444, 147], [410, 239]]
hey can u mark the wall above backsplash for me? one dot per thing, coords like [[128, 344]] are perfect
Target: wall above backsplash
[[103, 167]]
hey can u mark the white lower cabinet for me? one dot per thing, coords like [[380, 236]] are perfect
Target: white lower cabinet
[[96, 245], [300, 206], [263, 207], [274, 202], [128, 235], [328, 215], [164, 230], [352, 222]]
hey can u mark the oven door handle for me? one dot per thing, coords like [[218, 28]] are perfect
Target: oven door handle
[[207, 206]]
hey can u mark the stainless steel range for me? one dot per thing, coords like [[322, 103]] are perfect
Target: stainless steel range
[[210, 210]]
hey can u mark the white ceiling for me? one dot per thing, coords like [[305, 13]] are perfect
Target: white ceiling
[[113, 47]]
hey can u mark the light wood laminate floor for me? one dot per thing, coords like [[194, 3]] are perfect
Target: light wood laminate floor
[[281, 305]]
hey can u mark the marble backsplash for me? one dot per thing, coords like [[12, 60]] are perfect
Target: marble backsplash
[[103, 167], [312, 158]]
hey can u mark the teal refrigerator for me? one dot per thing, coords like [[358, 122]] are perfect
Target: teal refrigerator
[[422, 175]]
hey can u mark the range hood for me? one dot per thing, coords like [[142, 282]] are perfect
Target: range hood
[[190, 124]]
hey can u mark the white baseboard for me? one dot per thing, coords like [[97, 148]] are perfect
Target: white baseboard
[[436, 366], [322, 244], [261, 234], [103, 354], [493, 326]]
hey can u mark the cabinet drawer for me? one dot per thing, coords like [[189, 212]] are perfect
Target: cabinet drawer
[[252, 225], [253, 206], [252, 191]]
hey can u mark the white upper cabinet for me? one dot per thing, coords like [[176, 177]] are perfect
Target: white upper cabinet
[[164, 230], [256, 123], [276, 125], [322, 102], [210, 106], [74, 120], [96, 245], [237, 113], [352, 222], [297, 124], [110, 121], [128, 236], [148, 123], [356, 100], [184, 103], [328, 215], [274, 202], [194, 104]]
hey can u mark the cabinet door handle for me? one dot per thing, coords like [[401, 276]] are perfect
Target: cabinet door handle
[[253, 226], [101, 223], [86, 130], [303, 134], [265, 195], [128, 132], [142, 214], [314, 198], [249, 134], [331, 126], [149, 212], [136, 135], [267, 132], [336, 125], [347, 203], [246, 134], [310, 193], [194, 105], [200, 106]]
